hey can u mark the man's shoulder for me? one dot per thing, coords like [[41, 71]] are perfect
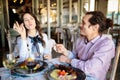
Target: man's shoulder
[[107, 36], [105, 39]]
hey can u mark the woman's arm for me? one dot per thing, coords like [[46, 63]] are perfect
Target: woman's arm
[[46, 52], [22, 48]]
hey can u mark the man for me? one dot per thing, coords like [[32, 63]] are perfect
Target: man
[[93, 51]]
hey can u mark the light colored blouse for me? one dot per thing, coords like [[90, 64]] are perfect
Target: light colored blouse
[[25, 47], [93, 57]]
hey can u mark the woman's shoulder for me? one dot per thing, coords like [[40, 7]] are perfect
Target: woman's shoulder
[[44, 35], [18, 37]]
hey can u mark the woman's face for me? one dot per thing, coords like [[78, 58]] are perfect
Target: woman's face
[[29, 21]]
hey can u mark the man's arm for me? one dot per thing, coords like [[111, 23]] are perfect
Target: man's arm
[[101, 57]]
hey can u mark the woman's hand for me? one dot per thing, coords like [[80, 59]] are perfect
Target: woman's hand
[[61, 49], [20, 29]]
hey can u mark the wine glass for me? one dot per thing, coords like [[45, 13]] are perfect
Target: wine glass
[[30, 62], [31, 65], [9, 61]]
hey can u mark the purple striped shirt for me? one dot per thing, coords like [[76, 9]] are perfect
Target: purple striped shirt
[[94, 57]]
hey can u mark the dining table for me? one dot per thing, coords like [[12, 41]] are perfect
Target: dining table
[[35, 76], [39, 76], [42, 75]]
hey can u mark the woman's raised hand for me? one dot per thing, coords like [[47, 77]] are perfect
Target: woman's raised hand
[[20, 29]]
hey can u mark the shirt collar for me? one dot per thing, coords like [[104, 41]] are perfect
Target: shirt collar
[[37, 33], [93, 41]]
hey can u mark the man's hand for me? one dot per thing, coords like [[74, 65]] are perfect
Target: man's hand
[[65, 59], [47, 56], [61, 49]]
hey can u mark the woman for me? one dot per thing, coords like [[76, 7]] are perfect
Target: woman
[[32, 42]]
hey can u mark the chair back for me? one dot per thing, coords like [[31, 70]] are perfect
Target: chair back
[[11, 38], [115, 62], [113, 68]]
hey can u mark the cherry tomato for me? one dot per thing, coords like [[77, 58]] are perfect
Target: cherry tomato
[[62, 72]]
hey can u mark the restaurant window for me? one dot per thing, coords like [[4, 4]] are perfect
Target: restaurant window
[[113, 11], [16, 8], [74, 11], [65, 10], [42, 11]]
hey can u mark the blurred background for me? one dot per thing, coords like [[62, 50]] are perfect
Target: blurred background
[[59, 18]]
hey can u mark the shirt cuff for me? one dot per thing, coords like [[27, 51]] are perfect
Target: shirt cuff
[[75, 62], [71, 56]]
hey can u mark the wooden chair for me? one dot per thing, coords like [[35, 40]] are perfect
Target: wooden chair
[[115, 62], [112, 72], [11, 37]]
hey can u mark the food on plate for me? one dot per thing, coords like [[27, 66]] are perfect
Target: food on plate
[[23, 65], [63, 73], [54, 74], [29, 62], [36, 67], [29, 59]]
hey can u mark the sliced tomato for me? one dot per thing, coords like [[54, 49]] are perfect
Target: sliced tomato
[[62, 72]]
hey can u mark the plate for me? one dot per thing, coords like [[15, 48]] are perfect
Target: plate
[[26, 72], [80, 74]]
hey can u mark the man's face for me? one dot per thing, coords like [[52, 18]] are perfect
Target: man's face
[[86, 29]]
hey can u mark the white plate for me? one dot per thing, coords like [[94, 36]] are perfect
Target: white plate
[[80, 74], [25, 72]]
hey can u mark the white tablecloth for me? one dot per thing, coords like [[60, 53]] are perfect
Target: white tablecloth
[[38, 76]]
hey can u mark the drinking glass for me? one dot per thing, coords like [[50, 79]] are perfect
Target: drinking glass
[[30, 62], [9, 62]]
